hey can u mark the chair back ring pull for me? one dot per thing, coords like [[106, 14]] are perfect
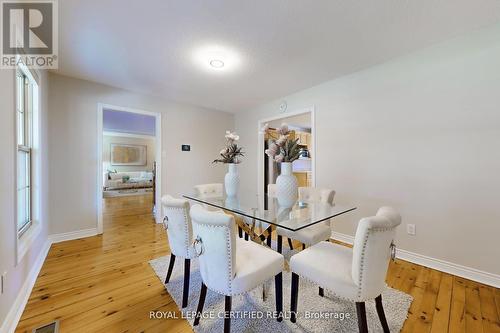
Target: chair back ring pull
[[165, 222], [198, 246], [393, 251]]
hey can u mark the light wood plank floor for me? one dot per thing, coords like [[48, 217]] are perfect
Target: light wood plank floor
[[104, 284]]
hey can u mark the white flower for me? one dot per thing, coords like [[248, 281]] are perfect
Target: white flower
[[231, 136], [273, 150], [283, 129], [279, 158], [281, 140]]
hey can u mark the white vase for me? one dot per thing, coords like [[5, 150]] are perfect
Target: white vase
[[286, 186], [232, 180]]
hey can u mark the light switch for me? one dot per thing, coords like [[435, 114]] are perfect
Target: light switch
[[411, 229]]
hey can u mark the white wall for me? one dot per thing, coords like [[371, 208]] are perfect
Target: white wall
[[420, 133], [17, 273], [111, 139], [73, 142]]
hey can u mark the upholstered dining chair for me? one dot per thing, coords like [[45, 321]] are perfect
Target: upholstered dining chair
[[215, 190], [313, 234], [180, 237], [228, 264], [356, 274]]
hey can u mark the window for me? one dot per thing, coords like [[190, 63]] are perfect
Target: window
[[25, 87]]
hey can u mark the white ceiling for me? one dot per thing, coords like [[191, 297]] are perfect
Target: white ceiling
[[283, 45]]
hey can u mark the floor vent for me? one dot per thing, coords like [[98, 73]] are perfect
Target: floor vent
[[53, 327]]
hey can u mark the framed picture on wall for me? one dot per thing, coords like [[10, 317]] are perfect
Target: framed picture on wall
[[122, 154]]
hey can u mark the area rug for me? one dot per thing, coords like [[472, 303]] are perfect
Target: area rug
[[315, 313], [127, 192]]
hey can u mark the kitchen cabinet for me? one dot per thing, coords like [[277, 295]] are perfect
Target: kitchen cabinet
[[304, 138], [301, 179]]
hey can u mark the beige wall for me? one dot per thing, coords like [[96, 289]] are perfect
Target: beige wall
[[420, 133], [18, 272], [73, 142], [148, 142]]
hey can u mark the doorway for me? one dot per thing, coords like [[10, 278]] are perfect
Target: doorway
[[302, 126], [129, 159]]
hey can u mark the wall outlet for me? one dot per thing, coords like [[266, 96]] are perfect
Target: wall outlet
[[411, 229]]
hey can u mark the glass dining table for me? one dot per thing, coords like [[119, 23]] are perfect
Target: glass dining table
[[258, 215]]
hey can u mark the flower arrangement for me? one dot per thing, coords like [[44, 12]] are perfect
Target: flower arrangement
[[231, 153], [282, 148]]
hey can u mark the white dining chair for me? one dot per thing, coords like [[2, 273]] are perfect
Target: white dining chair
[[215, 190], [180, 237], [313, 194], [315, 233], [229, 265], [206, 191], [356, 274]]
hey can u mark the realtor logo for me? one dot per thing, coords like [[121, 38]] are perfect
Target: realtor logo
[[29, 34]]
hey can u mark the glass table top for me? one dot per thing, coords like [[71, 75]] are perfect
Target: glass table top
[[301, 215]]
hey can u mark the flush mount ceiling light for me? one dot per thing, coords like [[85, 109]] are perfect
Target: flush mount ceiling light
[[216, 63], [217, 59]]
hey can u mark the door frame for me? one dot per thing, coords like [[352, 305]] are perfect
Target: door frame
[[260, 144], [158, 158]]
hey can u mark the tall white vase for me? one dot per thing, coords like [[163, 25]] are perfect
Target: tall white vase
[[286, 186], [232, 180]]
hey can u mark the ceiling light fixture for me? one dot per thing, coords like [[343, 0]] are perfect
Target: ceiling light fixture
[[217, 59], [216, 63]]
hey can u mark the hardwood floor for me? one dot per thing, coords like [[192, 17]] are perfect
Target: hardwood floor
[[105, 284]]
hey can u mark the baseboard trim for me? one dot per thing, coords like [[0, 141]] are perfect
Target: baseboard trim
[[451, 268], [438, 264], [17, 308], [57, 238], [343, 238]]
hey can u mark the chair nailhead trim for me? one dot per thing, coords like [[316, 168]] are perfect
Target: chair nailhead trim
[[186, 230], [228, 249], [229, 255], [365, 241], [187, 242]]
